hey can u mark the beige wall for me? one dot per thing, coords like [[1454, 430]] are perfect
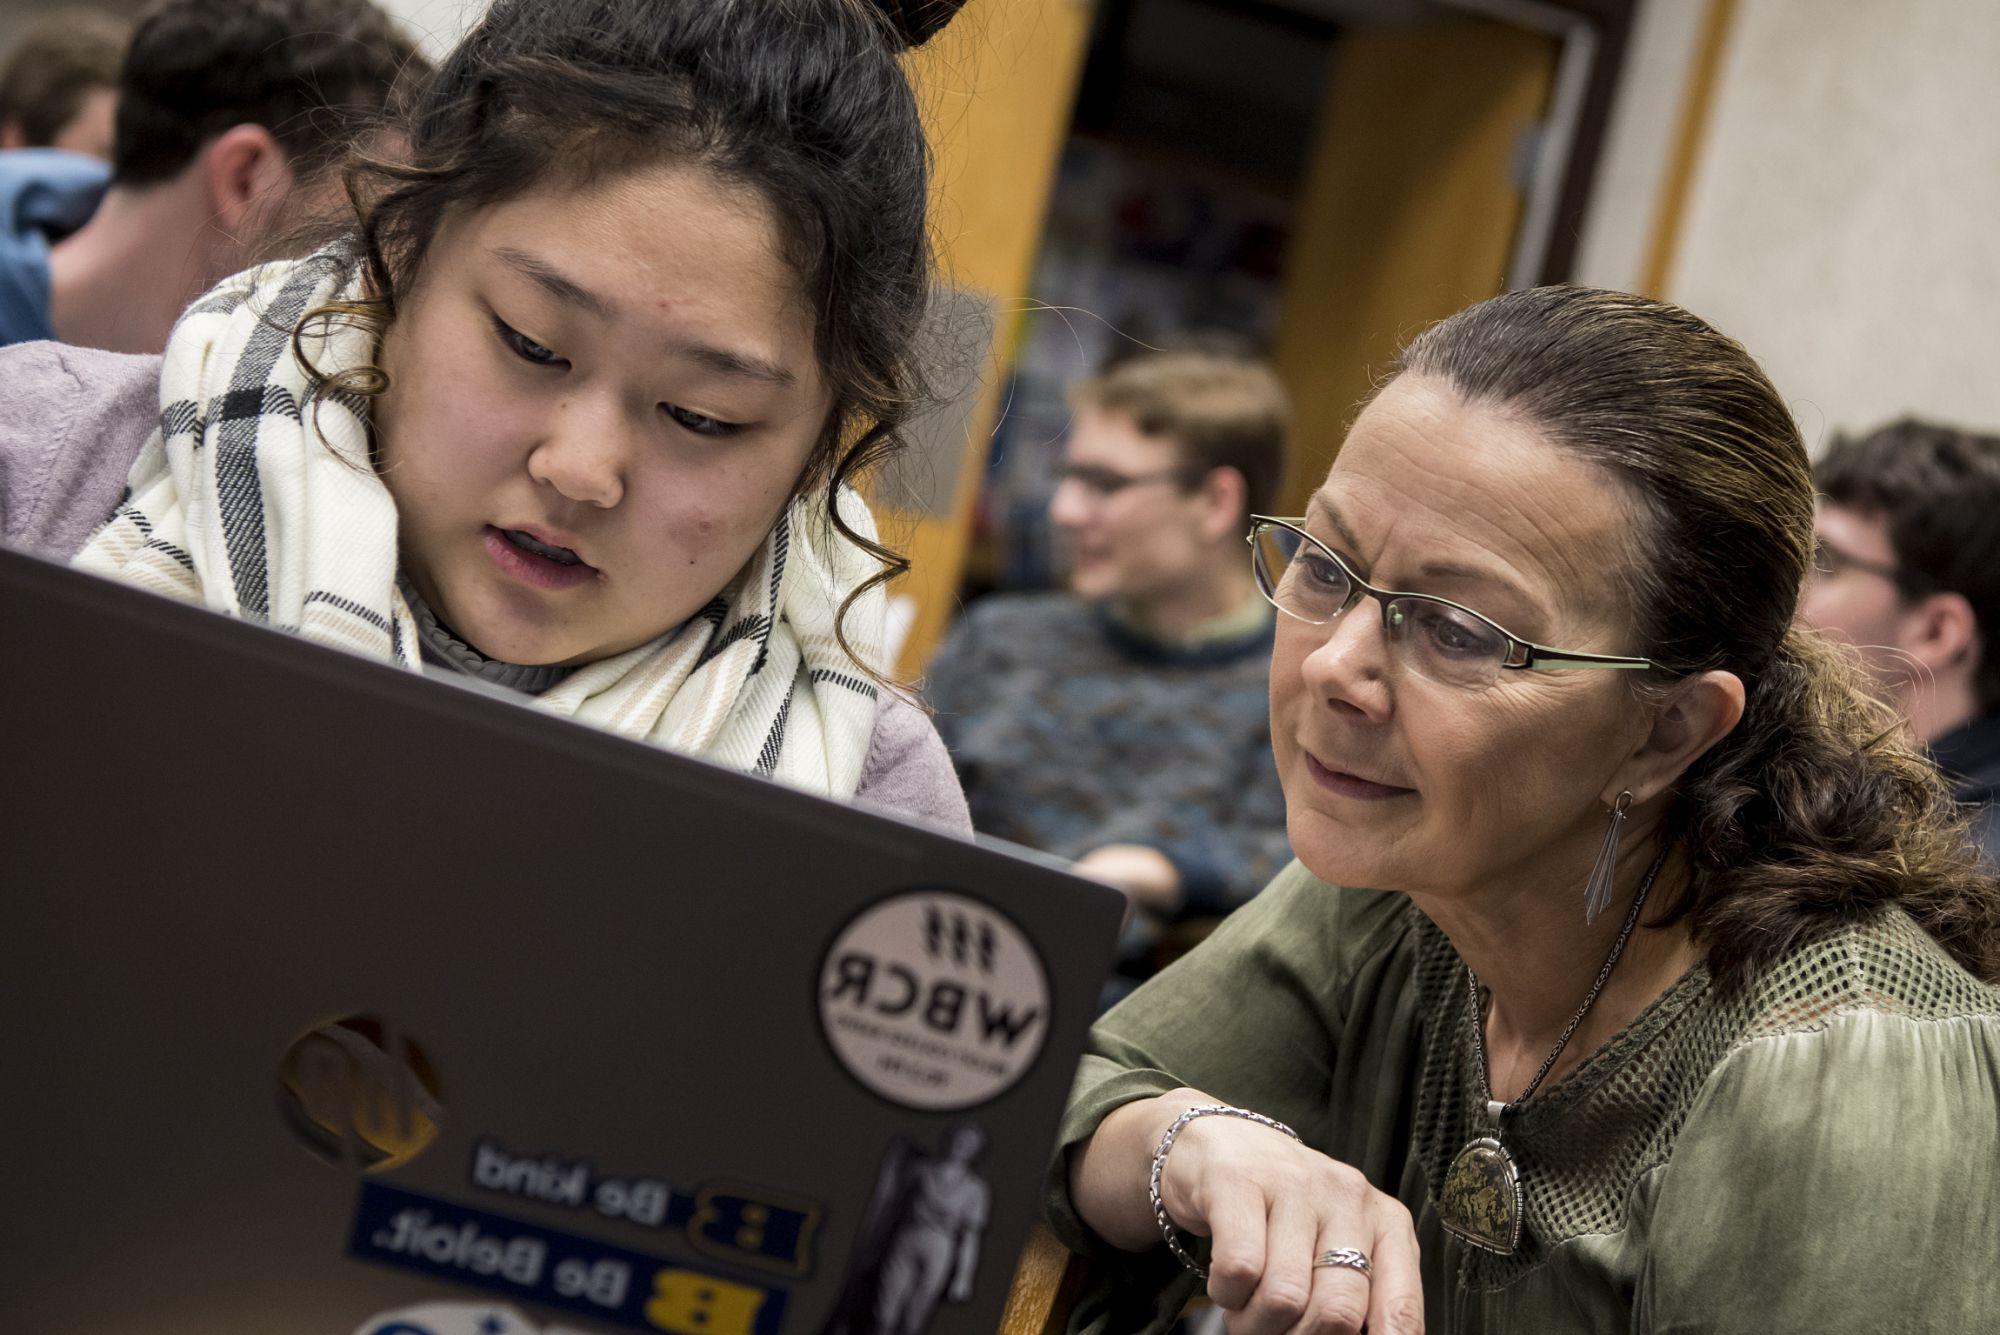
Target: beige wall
[[16, 15], [436, 23], [1625, 202], [1843, 218]]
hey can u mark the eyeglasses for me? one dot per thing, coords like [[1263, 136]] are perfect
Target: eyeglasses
[[1105, 482], [1433, 637], [1829, 560]]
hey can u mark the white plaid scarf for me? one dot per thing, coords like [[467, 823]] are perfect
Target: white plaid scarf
[[257, 500]]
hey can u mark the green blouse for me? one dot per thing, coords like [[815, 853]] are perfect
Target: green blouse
[[1817, 1153]]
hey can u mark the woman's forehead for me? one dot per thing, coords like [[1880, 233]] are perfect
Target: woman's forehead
[[667, 245], [1427, 478]]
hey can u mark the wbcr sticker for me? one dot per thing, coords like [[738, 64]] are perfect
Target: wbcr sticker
[[934, 1000]]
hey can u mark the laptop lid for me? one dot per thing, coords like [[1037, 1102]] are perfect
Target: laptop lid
[[334, 991]]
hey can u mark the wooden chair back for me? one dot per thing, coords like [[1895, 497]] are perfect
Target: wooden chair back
[[1046, 1285]]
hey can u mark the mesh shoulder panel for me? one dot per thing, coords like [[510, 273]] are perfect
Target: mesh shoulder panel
[[1583, 1143]]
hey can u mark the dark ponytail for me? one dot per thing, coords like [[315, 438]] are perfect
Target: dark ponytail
[[1816, 810], [917, 21]]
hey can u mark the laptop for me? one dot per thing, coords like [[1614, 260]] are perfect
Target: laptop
[[344, 1000]]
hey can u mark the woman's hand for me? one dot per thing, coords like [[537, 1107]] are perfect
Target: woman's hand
[[1144, 874], [1270, 1206]]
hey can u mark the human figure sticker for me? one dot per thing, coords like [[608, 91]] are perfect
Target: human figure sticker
[[1481, 1200], [934, 1000], [918, 1244]]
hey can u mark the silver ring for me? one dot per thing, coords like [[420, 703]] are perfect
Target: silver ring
[[1346, 1258]]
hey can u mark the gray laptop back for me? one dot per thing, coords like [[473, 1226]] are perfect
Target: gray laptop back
[[331, 991]]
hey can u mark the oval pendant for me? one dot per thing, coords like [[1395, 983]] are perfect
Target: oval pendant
[[1481, 1200]]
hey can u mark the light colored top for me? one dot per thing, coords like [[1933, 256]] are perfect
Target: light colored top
[[73, 419], [1818, 1153]]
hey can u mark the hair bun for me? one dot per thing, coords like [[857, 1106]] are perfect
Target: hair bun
[[917, 21]]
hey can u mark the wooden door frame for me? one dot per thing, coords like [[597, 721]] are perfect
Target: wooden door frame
[[1596, 38]]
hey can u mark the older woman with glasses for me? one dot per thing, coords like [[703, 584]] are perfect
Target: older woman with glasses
[[1635, 973]]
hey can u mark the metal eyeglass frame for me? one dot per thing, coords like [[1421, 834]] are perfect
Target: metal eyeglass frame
[[1522, 655], [1829, 559], [1125, 481]]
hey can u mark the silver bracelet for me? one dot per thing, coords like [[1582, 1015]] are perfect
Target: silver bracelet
[[1167, 1229]]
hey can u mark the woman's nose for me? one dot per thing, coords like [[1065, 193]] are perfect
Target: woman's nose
[[585, 455], [1349, 668]]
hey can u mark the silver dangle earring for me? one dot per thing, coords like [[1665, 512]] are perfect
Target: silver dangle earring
[[1604, 876]]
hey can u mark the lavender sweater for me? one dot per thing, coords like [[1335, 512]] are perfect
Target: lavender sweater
[[72, 420]]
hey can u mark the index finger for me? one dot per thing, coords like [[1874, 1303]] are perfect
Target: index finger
[[1236, 1225]]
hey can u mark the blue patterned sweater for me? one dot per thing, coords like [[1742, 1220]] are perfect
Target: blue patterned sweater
[[1071, 731]]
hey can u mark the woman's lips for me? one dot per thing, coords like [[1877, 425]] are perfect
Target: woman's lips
[[1351, 785], [538, 571]]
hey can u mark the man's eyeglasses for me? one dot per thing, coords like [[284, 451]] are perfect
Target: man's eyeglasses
[[1106, 482], [1433, 637], [1829, 560]]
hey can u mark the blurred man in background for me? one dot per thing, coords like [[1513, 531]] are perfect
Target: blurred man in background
[[232, 117], [1125, 723], [1908, 571], [59, 85]]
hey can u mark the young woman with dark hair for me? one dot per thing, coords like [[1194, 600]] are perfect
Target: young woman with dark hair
[[575, 404]]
